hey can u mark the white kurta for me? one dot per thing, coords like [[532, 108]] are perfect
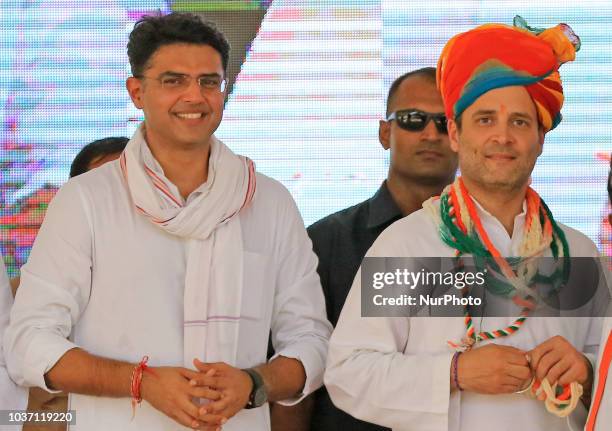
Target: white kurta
[[12, 397], [396, 371], [604, 416], [101, 274]]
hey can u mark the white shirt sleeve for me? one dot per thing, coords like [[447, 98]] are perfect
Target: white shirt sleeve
[[369, 376], [300, 328], [12, 397], [54, 290]]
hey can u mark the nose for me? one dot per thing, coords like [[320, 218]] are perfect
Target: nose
[[193, 92], [502, 133], [430, 132]]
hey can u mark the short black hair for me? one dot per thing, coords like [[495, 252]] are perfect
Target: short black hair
[[428, 73], [94, 150], [154, 31]]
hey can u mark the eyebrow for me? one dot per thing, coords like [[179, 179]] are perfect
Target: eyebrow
[[523, 115], [494, 112], [484, 112], [203, 75]]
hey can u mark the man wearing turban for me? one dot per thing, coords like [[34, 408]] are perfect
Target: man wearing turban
[[502, 93]]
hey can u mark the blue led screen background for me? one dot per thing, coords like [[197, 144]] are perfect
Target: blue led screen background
[[309, 85]]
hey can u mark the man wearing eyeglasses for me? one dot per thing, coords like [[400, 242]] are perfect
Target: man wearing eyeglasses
[[168, 269], [421, 165]]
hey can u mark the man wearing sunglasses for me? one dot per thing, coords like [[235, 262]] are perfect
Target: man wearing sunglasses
[[421, 161], [421, 165]]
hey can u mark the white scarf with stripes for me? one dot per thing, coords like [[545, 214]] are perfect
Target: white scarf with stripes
[[214, 271]]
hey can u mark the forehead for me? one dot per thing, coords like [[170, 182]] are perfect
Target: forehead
[[417, 92], [510, 99], [186, 58]]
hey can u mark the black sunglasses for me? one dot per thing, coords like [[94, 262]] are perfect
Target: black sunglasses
[[414, 120]]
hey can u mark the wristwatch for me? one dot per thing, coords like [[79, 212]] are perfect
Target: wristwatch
[[259, 394]]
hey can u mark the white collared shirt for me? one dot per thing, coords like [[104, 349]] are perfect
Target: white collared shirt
[[105, 277], [396, 371], [604, 415], [12, 397]]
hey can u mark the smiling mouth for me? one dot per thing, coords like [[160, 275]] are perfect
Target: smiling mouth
[[190, 115]]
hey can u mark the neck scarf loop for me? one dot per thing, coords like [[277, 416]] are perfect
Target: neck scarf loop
[[213, 235], [460, 227]]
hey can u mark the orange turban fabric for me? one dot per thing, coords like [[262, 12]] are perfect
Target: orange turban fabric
[[496, 55]]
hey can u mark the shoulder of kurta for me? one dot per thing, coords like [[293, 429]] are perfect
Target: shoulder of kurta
[[68, 197], [101, 183], [271, 194], [272, 216], [415, 235], [580, 244]]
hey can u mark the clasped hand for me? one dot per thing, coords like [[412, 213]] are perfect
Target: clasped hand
[[497, 369], [204, 399]]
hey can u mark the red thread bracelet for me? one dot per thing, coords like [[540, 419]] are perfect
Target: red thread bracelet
[[136, 381], [454, 370]]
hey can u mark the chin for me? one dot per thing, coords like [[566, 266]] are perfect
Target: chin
[[505, 184], [432, 178], [196, 138]]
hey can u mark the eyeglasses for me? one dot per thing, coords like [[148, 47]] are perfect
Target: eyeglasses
[[179, 82], [414, 120]]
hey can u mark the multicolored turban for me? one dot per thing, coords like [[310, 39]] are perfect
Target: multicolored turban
[[496, 55]]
